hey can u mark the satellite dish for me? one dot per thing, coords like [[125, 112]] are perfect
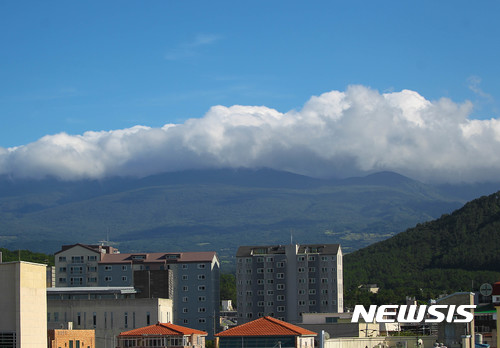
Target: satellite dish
[[486, 289]]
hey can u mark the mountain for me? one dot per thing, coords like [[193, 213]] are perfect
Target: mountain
[[457, 252], [215, 210]]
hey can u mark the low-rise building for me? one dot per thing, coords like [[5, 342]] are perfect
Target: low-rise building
[[266, 332], [162, 335], [71, 338], [108, 317]]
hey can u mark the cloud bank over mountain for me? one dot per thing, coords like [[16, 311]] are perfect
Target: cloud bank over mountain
[[336, 134]]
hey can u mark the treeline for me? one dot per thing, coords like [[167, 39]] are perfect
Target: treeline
[[457, 252], [26, 255]]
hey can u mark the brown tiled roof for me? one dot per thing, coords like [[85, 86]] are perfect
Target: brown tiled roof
[[266, 326], [160, 329], [200, 256]]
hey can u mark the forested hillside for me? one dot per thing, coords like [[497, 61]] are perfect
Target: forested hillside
[[459, 251], [26, 255]]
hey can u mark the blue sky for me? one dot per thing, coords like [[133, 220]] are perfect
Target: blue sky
[[77, 66], [68, 66]]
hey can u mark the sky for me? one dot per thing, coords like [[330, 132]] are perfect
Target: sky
[[322, 88]]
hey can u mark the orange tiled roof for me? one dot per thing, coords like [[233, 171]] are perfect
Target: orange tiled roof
[[167, 329], [266, 326]]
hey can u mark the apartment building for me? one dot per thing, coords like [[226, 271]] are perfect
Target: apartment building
[[191, 279], [76, 264], [284, 281]]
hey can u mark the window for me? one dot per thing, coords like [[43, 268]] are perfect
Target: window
[[260, 281], [124, 279], [270, 303], [311, 258], [185, 288], [108, 278], [92, 280], [202, 309], [184, 266], [270, 281], [148, 318], [249, 271], [280, 264], [76, 281], [201, 266], [124, 267], [270, 270], [62, 269], [331, 319], [312, 269], [324, 302], [184, 310], [48, 317], [281, 308], [301, 258], [260, 270], [184, 299], [301, 269], [260, 304], [270, 292], [92, 258], [302, 281], [324, 291], [249, 293], [201, 276], [202, 320], [312, 280], [201, 288], [324, 280], [302, 303], [280, 276], [201, 298], [249, 282], [184, 277], [125, 319], [248, 260], [186, 321], [260, 292], [280, 287], [312, 303], [78, 319], [56, 316], [108, 268], [94, 319], [249, 315], [62, 280], [302, 292], [270, 259], [92, 269], [62, 258], [76, 259], [312, 291], [324, 258], [260, 259]]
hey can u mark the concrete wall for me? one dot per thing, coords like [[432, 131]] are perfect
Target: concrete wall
[[112, 316], [23, 302], [381, 342]]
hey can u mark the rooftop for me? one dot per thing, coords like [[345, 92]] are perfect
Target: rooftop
[[328, 249], [266, 326], [166, 329], [201, 256]]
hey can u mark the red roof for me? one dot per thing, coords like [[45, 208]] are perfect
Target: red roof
[[266, 326], [160, 329]]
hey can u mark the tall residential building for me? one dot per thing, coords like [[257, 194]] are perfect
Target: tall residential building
[[284, 281], [23, 305], [192, 277], [76, 264]]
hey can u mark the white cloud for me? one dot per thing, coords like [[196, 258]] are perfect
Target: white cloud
[[335, 134], [190, 49]]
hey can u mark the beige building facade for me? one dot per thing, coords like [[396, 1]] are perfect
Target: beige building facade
[[108, 317], [23, 304]]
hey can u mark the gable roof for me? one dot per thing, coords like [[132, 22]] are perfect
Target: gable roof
[[161, 258], [165, 329], [266, 326]]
